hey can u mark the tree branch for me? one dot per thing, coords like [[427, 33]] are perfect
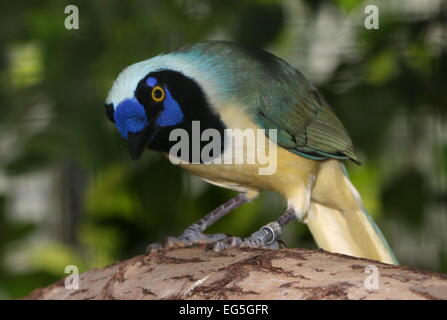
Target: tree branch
[[189, 273]]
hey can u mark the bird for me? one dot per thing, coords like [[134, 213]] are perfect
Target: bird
[[219, 87]]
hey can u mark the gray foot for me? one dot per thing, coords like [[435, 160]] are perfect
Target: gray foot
[[266, 237], [191, 236]]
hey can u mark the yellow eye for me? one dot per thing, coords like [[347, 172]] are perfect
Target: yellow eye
[[158, 94]]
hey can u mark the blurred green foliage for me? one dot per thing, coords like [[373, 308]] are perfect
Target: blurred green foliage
[[392, 98]]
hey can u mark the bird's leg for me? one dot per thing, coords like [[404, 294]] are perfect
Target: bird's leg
[[266, 237], [194, 233]]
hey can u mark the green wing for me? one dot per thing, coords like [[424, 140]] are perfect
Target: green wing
[[305, 124]]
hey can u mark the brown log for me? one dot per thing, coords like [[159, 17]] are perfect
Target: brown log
[[192, 273]]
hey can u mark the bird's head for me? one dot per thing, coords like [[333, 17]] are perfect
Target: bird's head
[[150, 98]]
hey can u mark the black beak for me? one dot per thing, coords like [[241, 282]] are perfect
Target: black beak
[[137, 142]]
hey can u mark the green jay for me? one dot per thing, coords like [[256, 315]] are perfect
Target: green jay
[[223, 86]]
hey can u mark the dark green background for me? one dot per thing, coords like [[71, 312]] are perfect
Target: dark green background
[[60, 154]]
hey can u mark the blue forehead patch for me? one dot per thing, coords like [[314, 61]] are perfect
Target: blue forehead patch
[[130, 116], [151, 82]]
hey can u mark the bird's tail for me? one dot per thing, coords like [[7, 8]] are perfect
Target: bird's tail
[[338, 221]]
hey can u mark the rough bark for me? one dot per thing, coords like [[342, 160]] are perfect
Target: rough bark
[[189, 273]]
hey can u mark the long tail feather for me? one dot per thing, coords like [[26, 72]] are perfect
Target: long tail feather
[[352, 233], [346, 229]]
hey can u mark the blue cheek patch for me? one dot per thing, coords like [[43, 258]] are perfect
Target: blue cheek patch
[[172, 113], [130, 116], [151, 82]]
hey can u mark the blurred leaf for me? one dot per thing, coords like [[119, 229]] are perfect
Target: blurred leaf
[[381, 67], [109, 195], [419, 58], [53, 258], [26, 64], [103, 244], [348, 5], [367, 180]]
